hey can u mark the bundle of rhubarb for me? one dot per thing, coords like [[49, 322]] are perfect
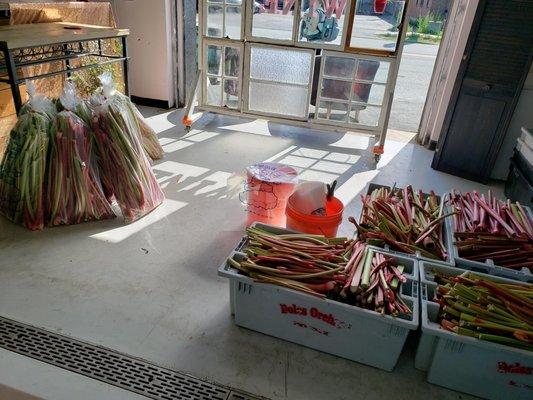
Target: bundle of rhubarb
[[323, 267], [482, 308], [150, 142], [126, 173], [309, 263], [488, 228], [74, 190], [148, 137], [406, 220], [374, 282], [22, 171]]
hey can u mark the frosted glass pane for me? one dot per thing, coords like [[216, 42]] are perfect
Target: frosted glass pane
[[333, 111], [231, 61], [365, 115], [214, 20], [213, 59], [368, 93], [214, 86], [375, 28], [278, 99], [231, 93], [330, 29], [233, 22], [272, 21], [280, 65], [372, 70], [334, 89], [341, 67]]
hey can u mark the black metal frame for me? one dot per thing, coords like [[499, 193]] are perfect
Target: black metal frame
[[63, 51]]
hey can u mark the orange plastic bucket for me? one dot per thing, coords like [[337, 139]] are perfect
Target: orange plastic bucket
[[326, 225]]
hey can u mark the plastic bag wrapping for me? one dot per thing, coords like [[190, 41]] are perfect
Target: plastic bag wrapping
[[125, 168], [37, 102], [266, 189], [22, 170], [74, 189], [150, 142]]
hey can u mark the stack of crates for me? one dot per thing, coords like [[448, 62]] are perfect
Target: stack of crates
[[457, 362]]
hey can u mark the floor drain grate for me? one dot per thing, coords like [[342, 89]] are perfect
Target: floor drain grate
[[109, 366]]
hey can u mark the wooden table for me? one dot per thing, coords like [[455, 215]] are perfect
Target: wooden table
[[34, 44]]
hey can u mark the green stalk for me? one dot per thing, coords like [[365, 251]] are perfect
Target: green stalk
[[367, 266]]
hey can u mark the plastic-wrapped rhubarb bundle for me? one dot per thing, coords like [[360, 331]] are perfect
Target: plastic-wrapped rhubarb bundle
[[151, 144], [22, 171], [149, 140], [74, 190], [125, 168]]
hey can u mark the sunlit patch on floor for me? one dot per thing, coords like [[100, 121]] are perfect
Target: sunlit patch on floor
[[123, 232]]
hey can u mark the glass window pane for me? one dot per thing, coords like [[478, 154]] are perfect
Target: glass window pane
[[231, 93], [280, 65], [365, 115], [342, 67], [333, 111], [273, 19], [368, 93], [334, 89], [214, 53], [322, 22], [376, 28], [216, 1], [372, 70], [231, 61], [278, 99], [367, 70], [233, 22], [214, 91], [214, 20]]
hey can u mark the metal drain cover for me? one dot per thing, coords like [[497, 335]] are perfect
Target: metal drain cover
[[109, 366]]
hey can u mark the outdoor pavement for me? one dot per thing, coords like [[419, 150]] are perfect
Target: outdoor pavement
[[416, 68]]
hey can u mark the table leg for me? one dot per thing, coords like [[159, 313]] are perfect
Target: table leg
[[125, 66], [67, 61], [13, 78]]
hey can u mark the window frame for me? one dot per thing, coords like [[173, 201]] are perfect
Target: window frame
[[224, 5], [387, 96], [326, 46], [377, 52], [294, 41], [247, 79], [249, 37], [206, 42]]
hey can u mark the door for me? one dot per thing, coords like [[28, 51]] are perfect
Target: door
[[492, 74]]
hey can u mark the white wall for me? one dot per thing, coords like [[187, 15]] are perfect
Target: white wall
[[522, 116], [461, 17], [149, 47]]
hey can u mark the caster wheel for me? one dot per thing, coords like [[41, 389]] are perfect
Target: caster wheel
[[187, 129], [377, 157]]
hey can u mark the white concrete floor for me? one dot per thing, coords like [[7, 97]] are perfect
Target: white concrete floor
[[150, 289]]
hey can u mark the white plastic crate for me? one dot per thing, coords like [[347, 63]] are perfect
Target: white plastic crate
[[341, 329], [462, 363], [487, 267]]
